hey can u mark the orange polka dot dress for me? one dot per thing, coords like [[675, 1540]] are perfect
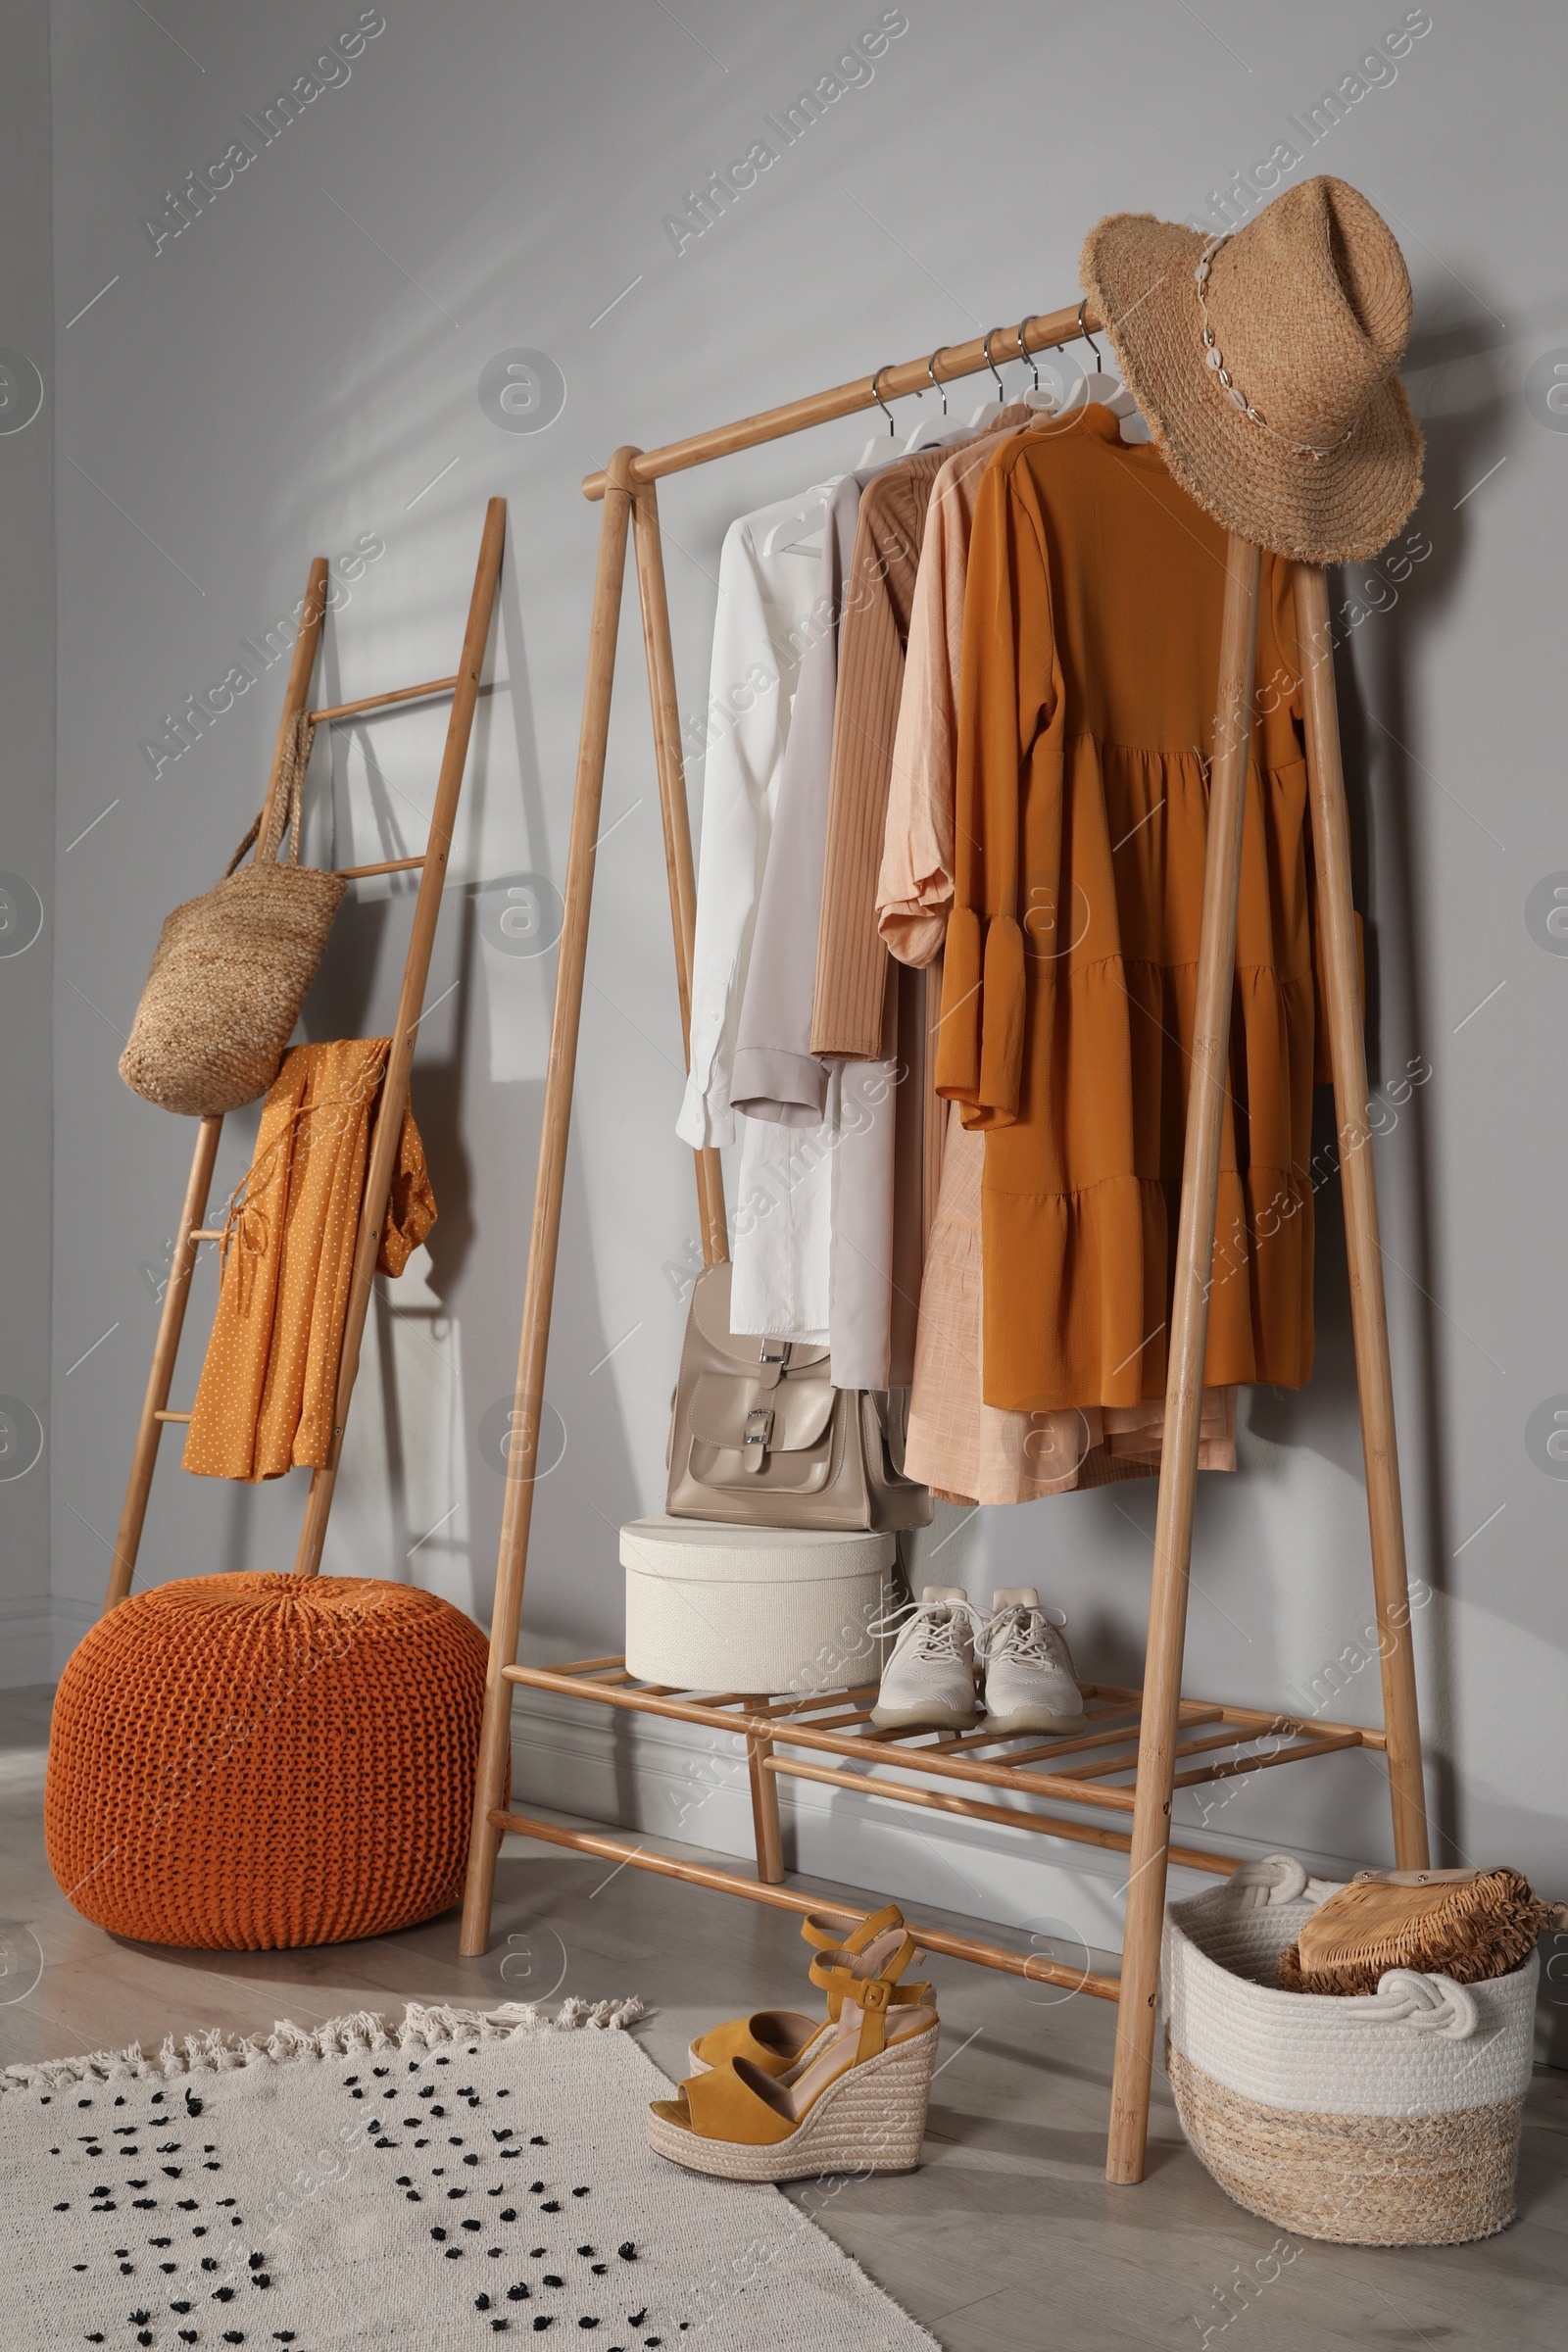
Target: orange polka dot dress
[[264, 1402]]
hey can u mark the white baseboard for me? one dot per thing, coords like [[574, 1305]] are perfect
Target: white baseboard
[[26, 1641], [671, 1780]]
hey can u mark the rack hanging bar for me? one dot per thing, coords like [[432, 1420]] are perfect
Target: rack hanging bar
[[382, 701], [1042, 333]]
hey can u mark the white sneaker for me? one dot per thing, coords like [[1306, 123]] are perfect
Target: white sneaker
[[928, 1683], [1029, 1668]]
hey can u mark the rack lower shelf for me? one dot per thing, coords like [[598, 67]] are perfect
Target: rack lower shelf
[[845, 1752]]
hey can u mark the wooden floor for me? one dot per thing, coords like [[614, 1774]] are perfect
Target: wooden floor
[[1008, 2239]]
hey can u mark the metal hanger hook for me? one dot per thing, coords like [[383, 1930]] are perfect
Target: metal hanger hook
[[991, 363], [1087, 337], [931, 371], [1025, 354], [876, 395]]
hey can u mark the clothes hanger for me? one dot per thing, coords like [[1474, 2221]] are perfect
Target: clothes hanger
[[801, 531], [873, 450], [1098, 384], [990, 410], [930, 428], [1039, 396]]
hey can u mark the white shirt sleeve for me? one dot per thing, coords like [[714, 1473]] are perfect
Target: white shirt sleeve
[[746, 723]]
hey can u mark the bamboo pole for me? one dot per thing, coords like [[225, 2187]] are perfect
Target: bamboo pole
[[784, 1898], [765, 1831], [1047, 331], [1184, 1386], [1369, 1314], [388, 1128], [545, 1235], [170, 1322], [176, 1292], [383, 702], [673, 805]]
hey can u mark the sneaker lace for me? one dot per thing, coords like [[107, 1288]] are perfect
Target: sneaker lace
[[1025, 1634], [929, 1627]]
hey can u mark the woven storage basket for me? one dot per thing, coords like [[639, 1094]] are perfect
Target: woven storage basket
[[757, 1609], [254, 1763], [231, 969], [1386, 2119]]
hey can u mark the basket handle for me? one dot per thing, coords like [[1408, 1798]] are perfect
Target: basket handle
[[291, 778], [1277, 1878], [1431, 2004]]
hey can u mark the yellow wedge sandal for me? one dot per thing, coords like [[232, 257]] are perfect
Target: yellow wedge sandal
[[780, 2041], [858, 2106]]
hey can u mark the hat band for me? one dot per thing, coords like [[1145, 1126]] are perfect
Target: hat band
[[1214, 360]]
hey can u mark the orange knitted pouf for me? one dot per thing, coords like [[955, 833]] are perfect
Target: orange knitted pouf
[[252, 1763]]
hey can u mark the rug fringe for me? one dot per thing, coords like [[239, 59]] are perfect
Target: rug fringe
[[217, 2052]]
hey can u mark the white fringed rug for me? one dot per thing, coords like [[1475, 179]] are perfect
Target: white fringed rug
[[439, 2181]]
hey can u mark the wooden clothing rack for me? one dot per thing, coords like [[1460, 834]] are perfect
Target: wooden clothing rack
[[1157, 1720], [430, 866]]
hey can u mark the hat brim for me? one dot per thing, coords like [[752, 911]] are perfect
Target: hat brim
[[1339, 509]]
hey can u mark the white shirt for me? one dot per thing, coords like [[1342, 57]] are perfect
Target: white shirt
[[758, 635]]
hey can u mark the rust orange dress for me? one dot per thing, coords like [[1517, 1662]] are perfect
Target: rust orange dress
[[1091, 653], [267, 1392]]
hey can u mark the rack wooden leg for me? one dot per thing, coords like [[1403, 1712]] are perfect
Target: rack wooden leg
[[677, 829], [176, 1292], [518, 1508], [1184, 1389], [764, 1801], [388, 1128], [1331, 842]]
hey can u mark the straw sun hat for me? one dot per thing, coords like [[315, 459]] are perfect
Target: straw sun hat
[[1264, 363]]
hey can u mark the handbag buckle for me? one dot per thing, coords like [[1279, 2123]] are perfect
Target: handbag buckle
[[772, 1357], [758, 1433]]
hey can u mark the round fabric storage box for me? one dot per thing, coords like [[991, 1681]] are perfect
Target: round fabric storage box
[[252, 1763], [760, 1610], [1384, 2119]]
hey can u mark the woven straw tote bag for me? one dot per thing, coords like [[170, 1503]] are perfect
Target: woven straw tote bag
[[232, 968], [1384, 2119]]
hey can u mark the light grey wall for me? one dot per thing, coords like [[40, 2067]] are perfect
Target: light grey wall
[[26, 839], [299, 370]]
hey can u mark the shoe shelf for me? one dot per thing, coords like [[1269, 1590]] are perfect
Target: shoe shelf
[[827, 1737]]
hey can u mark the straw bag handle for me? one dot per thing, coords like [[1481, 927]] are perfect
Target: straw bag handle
[[1431, 2004], [295, 760]]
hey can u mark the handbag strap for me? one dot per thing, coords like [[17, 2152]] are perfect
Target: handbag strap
[[296, 757]]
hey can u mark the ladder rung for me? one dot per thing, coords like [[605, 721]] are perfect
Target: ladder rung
[[206, 1233], [171, 1416], [380, 701], [392, 865]]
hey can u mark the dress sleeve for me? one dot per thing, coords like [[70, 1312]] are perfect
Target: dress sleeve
[[914, 887], [745, 735], [1007, 694]]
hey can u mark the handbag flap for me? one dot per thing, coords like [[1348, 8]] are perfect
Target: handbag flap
[[709, 1312], [721, 1406]]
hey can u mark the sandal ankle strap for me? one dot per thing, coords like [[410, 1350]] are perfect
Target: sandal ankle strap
[[826, 1932]]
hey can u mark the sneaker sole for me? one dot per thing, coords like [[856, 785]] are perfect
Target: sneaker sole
[[1036, 1719], [923, 1719]]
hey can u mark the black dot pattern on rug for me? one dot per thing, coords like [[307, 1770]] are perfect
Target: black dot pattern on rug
[[195, 2264]]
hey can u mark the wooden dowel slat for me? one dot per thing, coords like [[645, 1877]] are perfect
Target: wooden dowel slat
[[165, 1416], [383, 702], [388, 866], [784, 1898], [1011, 1817]]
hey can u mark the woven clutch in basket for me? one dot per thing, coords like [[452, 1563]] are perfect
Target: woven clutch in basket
[[1388, 2119], [232, 968], [1463, 1924]]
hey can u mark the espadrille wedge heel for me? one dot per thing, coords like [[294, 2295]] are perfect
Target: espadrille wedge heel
[[858, 2107], [781, 2041]]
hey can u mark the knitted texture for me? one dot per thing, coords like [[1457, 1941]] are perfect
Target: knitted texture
[[260, 1762], [232, 968]]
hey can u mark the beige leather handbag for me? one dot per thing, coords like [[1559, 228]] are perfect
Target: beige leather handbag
[[760, 1436]]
